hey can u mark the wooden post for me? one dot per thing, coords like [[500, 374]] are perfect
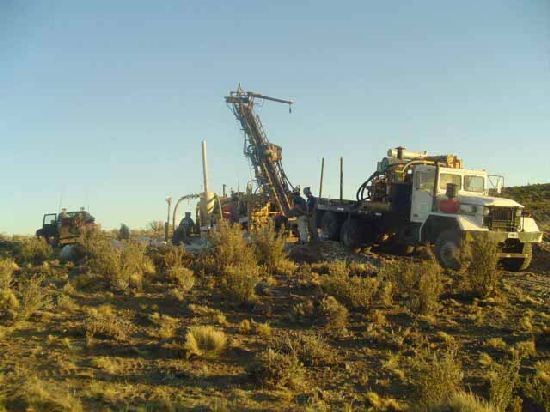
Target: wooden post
[[322, 175], [341, 178]]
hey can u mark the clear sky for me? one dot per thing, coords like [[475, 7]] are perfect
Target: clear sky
[[104, 103]]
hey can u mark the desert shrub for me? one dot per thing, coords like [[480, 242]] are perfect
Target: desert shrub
[[303, 312], [208, 315], [229, 249], [29, 393], [436, 377], [103, 322], [238, 283], [355, 292], [262, 329], [204, 341], [166, 325], [245, 326], [503, 378], [167, 256], [537, 388], [310, 348], [65, 303], [274, 370], [269, 248], [32, 297], [417, 284], [33, 250], [9, 304], [332, 315], [7, 267], [122, 268], [479, 275], [181, 276], [463, 402]]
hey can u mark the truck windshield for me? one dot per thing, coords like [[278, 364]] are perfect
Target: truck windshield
[[474, 183], [446, 178]]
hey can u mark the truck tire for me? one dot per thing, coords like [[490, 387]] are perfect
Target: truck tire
[[330, 226], [350, 234], [447, 249], [521, 264]]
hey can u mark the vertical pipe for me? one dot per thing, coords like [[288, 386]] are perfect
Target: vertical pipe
[[204, 167], [322, 175], [341, 178], [167, 224]]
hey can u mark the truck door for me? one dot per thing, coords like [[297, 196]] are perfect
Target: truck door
[[422, 193]]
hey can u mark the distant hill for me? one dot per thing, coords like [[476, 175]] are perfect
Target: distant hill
[[535, 198]]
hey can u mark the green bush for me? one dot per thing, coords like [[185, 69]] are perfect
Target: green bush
[[228, 248], [417, 284], [436, 376], [355, 292], [502, 381], [480, 273], [122, 268], [181, 276], [32, 297], [269, 248], [238, 283]]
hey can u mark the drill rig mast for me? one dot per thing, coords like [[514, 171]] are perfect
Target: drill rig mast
[[266, 158]]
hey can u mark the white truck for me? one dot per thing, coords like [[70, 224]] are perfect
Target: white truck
[[413, 198]]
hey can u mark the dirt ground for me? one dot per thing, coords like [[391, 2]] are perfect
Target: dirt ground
[[53, 354]]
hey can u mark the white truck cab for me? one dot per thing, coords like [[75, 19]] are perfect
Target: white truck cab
[[476, 213]]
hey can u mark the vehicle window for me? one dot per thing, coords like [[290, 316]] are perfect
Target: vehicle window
[[474, 183], [425, 180], [446, 178]]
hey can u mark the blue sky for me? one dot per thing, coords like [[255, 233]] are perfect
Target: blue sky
[[104, 103]]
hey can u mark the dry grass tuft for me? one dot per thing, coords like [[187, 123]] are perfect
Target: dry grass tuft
[[204, 341], [463, 402]]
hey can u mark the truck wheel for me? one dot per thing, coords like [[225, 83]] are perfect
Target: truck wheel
[[330, 227], [447, 249], [350, 234], [518, 265]]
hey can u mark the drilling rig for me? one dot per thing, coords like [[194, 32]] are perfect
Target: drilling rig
[[273, 194]]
